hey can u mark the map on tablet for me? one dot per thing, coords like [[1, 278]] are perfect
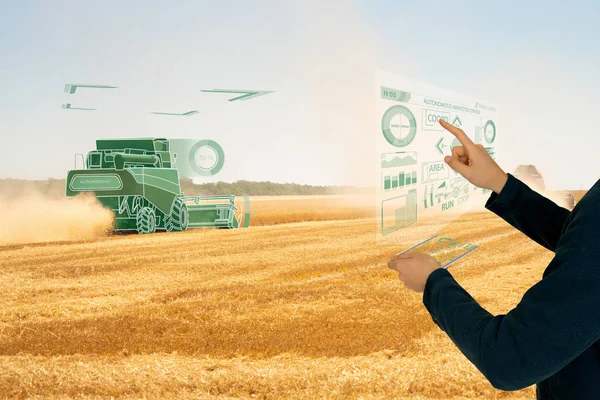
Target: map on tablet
[[444, 249]]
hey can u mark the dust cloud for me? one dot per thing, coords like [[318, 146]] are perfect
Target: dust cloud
[[35, 218]]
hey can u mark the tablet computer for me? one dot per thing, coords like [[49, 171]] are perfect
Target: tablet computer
[[444, 249]]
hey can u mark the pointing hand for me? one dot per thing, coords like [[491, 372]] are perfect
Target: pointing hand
[[473, 162]]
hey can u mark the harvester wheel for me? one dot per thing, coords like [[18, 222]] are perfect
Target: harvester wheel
[[146, 220], [178, 220]]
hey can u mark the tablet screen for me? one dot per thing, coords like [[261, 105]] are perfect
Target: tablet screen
[[444, 249]]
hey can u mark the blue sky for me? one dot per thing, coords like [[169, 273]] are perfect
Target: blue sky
[[537, 61]]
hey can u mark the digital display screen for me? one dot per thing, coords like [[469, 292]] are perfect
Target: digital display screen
[[444, 249]]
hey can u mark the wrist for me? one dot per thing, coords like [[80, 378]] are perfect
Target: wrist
[[500, 182]]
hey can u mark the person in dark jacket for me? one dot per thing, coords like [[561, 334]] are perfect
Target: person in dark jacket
[[552, 337]]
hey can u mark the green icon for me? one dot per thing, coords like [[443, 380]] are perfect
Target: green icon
[[459, 185], [137, 180], [197, 158], [394, 94], [399, 126], [398, 159], [489, 131], [245, 214], [207, 157], [186, 114], [399, 170], [439, 145], [434, 171], [71, 88], [427, 203], [399, 180], [67, 106], [449, 192], [434, 192], [398, 212], [457, 122], [245, 94]]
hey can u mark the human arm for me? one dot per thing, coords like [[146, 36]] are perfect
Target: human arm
[[536, 216], [533, 214], [556, 320]]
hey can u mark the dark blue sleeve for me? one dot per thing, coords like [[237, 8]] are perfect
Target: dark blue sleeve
[[556, 320], [536, 216]]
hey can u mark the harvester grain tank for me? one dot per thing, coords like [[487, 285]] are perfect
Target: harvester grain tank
[[531, 176], [138, 181]]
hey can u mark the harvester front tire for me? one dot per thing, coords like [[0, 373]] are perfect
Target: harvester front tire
[[179, 218], [146, 220]]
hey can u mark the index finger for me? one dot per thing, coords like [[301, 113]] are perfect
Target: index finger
[[460, 135]]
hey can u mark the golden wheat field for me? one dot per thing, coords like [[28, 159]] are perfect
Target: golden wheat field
[[299, 306]]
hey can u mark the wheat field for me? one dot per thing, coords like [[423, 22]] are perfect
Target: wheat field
[[299, 306]]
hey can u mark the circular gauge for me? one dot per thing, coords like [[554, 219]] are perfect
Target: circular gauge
[[489, 131], [399, 126], [207, 157]]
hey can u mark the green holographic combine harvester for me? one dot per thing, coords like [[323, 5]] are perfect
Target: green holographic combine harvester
[[138, 181]]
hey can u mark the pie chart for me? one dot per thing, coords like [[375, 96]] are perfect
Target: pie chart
[[489, 131], [399, 126], [206, 157]]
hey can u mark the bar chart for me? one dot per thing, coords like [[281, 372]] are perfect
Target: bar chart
[[399, 180]]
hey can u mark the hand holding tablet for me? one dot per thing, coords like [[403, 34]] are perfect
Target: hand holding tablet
[[415, 264], [445, 250]]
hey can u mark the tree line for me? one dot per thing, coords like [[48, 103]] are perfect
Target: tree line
[[56, 188]]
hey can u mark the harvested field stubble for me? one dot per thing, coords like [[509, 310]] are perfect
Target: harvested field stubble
[[299, 310]]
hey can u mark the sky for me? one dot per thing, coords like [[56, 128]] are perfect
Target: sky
[[537, 61]]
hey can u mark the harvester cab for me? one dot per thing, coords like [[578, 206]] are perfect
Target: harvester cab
[[138, 181]]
